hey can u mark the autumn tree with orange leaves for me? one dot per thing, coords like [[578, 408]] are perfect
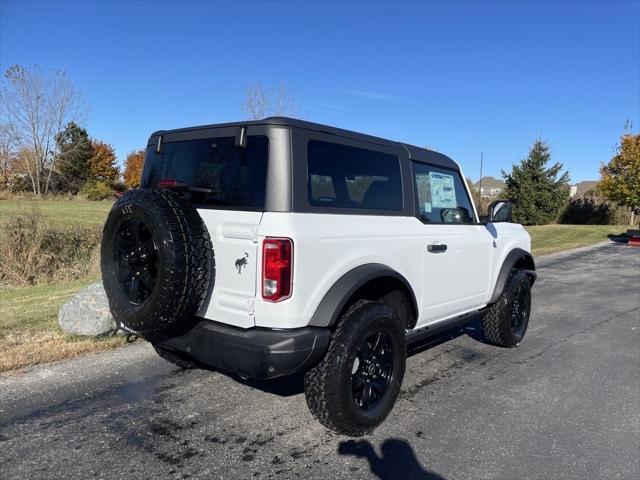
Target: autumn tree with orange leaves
[[103, 166], [133, 168], [620, 178]]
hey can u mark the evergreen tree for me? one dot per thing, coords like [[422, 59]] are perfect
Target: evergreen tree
[[538, 193], [75, 151]]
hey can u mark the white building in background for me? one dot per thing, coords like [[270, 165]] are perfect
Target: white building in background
[[580, 189], [491, 187]]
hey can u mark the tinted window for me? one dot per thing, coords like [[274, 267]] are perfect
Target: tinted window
[[441, 195], [214, 171], [350, 177]]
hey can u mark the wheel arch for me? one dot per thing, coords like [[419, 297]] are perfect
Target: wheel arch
[[516, 258], [372, 281]]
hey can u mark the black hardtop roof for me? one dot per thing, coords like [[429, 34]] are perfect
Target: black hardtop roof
[[415, 153]]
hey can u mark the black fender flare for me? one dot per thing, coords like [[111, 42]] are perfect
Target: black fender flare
[[332, 304], [513, 257]]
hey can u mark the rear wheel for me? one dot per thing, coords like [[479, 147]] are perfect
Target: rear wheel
[[353, 389], [506, 322]]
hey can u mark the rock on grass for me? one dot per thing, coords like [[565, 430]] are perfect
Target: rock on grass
[[87, 313]]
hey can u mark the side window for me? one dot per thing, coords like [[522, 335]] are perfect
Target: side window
[[321, 189], [441, 195], [340, 176]]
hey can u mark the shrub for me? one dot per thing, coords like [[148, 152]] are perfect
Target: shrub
[[98, 191], [32, 252], [119, 187], [19, 183], [593, 211]]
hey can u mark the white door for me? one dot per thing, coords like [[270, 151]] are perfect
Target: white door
[[456, 251]]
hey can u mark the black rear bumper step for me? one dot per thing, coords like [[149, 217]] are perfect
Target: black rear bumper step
[[258, 353]]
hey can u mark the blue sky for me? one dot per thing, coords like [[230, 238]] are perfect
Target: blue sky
[[459, 77]]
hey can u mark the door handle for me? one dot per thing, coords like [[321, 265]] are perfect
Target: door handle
[[437, 247]]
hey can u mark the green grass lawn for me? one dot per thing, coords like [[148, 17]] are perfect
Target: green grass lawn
[[84, 212], [29, 332], [35, 307], [554, 238]]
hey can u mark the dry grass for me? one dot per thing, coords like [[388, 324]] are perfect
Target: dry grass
[[29, 332], [22, 348], [34, 251]]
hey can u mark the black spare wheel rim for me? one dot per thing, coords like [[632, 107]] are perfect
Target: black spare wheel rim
[[372, 370], [136, 260], [157, 261]]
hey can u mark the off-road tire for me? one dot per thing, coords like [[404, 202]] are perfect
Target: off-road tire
[[185, 264], [174, 358], [328, 384], [496, 324]]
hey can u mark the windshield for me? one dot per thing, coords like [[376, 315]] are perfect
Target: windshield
[[214, 171]]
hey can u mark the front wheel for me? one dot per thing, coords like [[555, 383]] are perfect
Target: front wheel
[[507, 320], [353, 389]]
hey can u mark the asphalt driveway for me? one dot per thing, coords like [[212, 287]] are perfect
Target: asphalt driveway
[[566, 404]]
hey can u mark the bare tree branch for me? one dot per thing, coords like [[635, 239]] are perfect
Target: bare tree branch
[[36, 105], [8, 150], [262, 102]]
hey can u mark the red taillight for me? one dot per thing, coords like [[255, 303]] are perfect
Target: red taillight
[[277, 268], [170, 183]]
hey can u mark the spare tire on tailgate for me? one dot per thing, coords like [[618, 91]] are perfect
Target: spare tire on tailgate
[[157, 260]]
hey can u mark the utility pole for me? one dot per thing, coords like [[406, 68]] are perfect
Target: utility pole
[[480, 187]]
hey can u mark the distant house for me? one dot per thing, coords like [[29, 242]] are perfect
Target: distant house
[[580, 189], [491, 187]]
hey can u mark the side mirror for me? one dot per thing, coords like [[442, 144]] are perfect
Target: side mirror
[[500, 211], [455, 215]]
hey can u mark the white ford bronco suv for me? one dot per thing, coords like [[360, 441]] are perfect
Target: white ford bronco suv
[[270, 247]]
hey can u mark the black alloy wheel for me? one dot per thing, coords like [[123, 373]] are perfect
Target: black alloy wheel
[[136, 259], [372, 370], [519, 311]]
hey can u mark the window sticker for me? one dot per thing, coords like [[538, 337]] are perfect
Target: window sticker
[[443, 191], [427, 207]]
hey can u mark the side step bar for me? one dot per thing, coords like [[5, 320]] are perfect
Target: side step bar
[[446, 326]]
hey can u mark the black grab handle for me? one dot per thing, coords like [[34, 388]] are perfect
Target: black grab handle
[[437, 247]]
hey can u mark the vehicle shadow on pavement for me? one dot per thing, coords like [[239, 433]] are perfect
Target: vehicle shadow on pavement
[[397, 459], [282, 386]]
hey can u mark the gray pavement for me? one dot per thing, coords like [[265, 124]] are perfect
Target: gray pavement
[[566, 404]]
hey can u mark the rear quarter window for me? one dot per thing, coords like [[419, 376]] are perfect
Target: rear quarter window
[[341, 176], [213, 171]]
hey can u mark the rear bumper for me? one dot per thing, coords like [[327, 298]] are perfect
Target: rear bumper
[[259, 353]]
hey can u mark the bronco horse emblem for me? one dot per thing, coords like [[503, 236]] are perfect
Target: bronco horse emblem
[[242, 262]]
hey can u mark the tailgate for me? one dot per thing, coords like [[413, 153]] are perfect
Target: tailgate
[[234, 235]]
